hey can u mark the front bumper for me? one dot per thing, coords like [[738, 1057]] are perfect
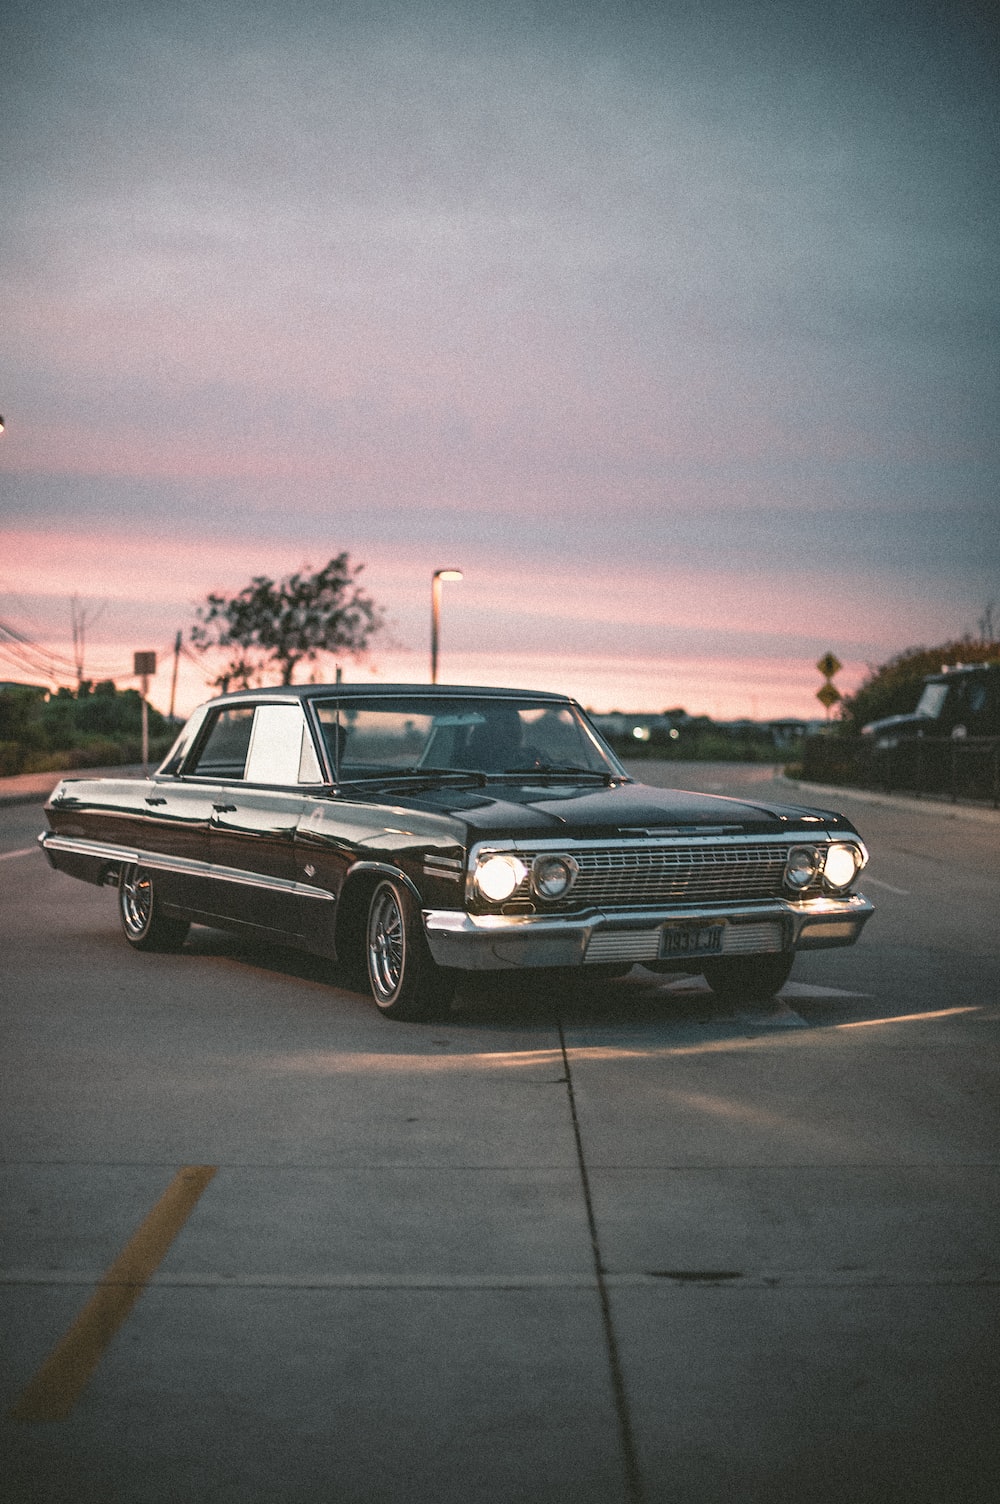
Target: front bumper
[[499, 942]]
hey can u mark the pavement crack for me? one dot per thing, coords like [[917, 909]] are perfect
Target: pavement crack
[[630, 1457]]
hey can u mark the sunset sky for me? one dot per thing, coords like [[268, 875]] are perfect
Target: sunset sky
[[673, 325]]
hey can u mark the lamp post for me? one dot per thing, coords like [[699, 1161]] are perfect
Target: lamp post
[[439, 575]]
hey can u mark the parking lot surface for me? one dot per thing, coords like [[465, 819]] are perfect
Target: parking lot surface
[[606, 1242]]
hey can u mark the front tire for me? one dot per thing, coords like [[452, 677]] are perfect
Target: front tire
[[404, 979], [749, 979], [144, 924]]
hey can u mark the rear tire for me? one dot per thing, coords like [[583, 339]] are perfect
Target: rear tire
[[404, 979], [144, 924], [749, 979]]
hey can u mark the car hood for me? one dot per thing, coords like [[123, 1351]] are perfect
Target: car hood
[[623, 810]]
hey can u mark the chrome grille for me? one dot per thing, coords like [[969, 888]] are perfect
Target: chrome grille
[[716, 872]]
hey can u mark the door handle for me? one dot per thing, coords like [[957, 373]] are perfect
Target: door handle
[[224, 809], [155, 801]]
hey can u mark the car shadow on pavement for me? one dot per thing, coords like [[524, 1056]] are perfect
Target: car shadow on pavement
[[672, 1008], [638, 1002]]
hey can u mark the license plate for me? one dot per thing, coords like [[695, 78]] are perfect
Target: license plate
[[690, 940]]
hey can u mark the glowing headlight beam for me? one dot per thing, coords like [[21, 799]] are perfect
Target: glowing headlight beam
[[497, 877], [842, 865]]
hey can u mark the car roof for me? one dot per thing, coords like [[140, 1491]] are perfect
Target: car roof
[[961, 671], [386, 691]]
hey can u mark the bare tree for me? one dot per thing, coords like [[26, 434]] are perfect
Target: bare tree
[[81, 617]]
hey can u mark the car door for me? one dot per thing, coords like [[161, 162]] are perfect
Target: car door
[[180, 803], [251, 835]]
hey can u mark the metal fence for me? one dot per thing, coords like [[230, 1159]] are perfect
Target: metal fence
[[963, 768]]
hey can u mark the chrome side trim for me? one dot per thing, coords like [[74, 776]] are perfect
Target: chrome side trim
[[103, 853]]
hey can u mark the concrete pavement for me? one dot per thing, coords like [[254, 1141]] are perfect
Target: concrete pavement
[[617, 1243]]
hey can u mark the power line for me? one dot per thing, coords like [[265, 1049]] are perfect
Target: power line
[[23, 650], [29, 656]]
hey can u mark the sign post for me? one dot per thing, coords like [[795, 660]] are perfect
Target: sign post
[[828, 694], [144, 666]]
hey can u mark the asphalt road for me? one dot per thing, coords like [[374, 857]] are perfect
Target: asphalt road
[[620, 1244]]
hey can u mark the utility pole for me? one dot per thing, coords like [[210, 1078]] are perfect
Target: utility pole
[[81, 617]]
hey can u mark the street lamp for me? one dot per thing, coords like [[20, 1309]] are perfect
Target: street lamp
[[439, 575]]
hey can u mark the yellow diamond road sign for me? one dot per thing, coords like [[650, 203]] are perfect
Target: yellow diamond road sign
[[828, 695], [829, 665]]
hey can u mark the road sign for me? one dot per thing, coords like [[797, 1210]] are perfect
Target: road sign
[[828, 695], [143, 666], [829, 665]]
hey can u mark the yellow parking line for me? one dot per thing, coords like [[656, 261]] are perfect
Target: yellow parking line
[[57, 1385]]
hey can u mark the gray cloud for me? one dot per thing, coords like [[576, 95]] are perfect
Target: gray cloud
[[706, 282]]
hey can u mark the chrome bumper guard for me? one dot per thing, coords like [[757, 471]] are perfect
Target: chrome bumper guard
[[498, 942]]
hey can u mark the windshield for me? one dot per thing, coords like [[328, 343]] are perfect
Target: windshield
[[932, 700], [423, 735]]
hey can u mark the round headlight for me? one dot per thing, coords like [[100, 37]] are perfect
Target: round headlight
[[553, 876], [498, 876], [842, 865], [802, 867]]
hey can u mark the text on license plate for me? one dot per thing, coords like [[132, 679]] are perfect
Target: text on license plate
[[690, 940]]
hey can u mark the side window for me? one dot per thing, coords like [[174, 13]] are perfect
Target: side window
[[281, 749], [224, 754], [182, 746]]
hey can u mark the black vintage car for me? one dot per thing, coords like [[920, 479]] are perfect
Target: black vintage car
[[959, 702], [416, 834], [950, 743]]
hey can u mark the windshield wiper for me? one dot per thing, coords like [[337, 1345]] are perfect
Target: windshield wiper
[[451, 776], [560, 770]]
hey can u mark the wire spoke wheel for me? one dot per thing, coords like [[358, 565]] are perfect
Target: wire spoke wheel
[[404, 979], [386, 945], [136, 902], [145, 925]]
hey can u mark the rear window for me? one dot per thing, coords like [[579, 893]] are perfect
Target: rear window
[[224, 753]]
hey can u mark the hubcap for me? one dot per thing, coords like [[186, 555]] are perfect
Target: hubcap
[[385, 945]]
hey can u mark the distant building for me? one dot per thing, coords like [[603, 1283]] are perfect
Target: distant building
[[622, 729], [789, 732]]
